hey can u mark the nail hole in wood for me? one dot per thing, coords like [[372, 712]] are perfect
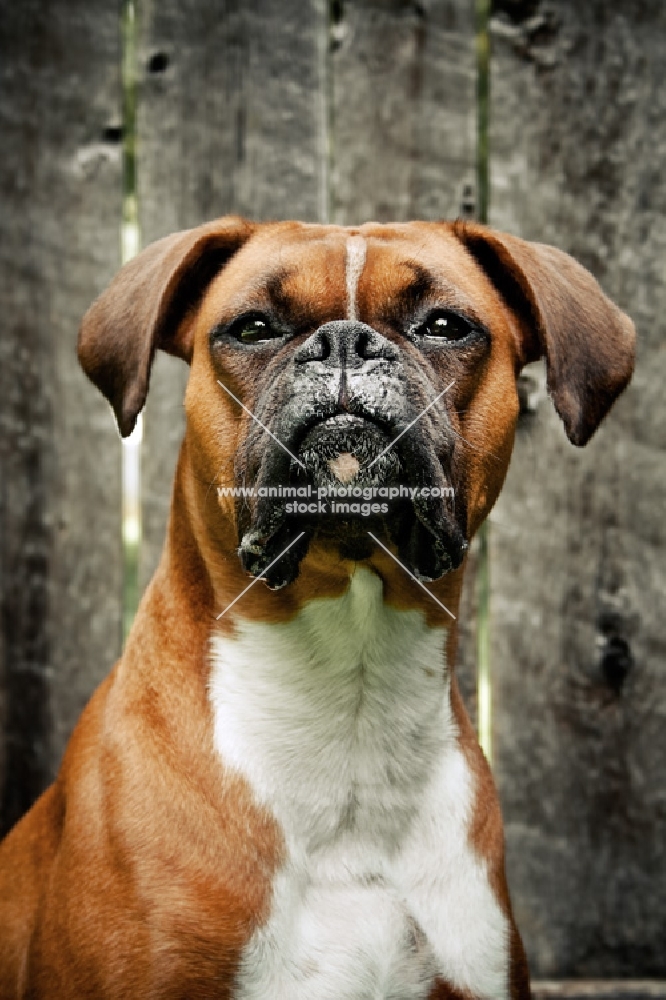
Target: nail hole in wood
[[158, 62], [616, 662], [113, 133]]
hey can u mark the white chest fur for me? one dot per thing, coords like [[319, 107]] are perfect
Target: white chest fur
[[340, 722]]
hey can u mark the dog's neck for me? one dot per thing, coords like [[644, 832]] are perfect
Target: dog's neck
[[337, 716]]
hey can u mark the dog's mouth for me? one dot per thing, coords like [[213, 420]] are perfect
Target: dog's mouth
[[347, 452], [349, 477]]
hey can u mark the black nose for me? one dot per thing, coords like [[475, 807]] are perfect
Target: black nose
[[346, 344]]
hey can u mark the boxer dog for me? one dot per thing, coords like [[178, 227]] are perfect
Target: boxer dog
[[279, 795]]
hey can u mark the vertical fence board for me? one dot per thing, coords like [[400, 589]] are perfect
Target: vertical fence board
[[60, 549], [403, 119], [403, 140], [578, 142], [231, 119]]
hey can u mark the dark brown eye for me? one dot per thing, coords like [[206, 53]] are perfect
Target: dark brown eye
[[253, 330], [445, 326]]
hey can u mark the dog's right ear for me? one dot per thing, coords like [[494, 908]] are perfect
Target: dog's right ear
[[147, 306]]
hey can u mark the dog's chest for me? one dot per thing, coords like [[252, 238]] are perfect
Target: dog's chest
[[340, 722]]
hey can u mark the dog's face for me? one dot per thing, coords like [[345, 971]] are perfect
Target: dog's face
[[369, 359], [341, 346]]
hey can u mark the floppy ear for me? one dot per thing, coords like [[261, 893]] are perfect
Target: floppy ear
[[565, 317], [147, 306]]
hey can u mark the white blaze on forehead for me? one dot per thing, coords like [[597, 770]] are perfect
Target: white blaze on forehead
[[356, 251]]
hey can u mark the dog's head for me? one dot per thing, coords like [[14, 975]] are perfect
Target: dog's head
[[379, 362]]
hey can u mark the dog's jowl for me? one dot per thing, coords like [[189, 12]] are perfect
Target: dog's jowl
[[277, 792]]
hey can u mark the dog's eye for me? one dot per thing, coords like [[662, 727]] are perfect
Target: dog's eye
[[446, 326], [253, 330]]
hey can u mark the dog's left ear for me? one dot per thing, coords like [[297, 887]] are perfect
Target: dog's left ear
[[564, 316], [147, 306]]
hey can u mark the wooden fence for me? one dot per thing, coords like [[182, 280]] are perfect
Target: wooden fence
[[348, 111]]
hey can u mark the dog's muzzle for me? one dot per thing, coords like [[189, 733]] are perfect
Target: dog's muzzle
[[348, 421]]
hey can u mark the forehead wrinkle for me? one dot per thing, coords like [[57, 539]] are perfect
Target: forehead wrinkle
[[426, 288], [276, 290], [296, 294], [262, 294], [422, 286]]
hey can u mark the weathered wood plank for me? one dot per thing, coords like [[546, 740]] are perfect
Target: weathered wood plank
[[403, 115], [578, 989], [578, 121], [231, 119], [60, 540], [403, 142]]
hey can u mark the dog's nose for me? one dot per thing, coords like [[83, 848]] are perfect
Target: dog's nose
[[346, 344]]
